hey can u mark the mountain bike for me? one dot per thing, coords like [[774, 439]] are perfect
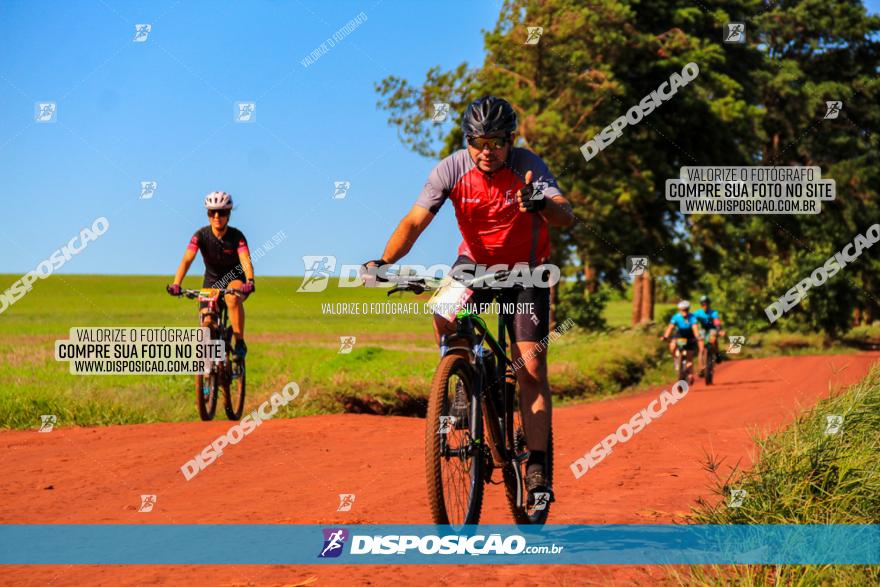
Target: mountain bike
[[474, 423], [228, 374], [710, 354], [682, 359]]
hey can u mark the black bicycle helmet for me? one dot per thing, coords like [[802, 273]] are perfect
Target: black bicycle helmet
[[488, 116], [704, 299]]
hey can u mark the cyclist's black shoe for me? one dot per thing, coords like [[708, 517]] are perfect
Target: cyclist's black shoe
[[537, 483], [703, 372], [459, 408], [240, 348]]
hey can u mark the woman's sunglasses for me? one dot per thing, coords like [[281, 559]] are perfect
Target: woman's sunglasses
[[221, 213], [493, 143]]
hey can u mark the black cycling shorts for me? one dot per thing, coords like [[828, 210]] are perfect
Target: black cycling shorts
[[691, 341], [523, 326]]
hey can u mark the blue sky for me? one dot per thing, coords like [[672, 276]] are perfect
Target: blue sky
[[163, 110]]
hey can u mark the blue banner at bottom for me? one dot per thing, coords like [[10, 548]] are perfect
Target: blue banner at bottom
[[275, 544]]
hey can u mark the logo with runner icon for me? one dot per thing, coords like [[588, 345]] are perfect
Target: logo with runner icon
[[45, 112], [833, 424], [737, 496], [447, 423], [245, 112], [334, 540], [541, 500], [735, 33], [141, 32], [317, 272], [832, 109], [540, 188], [346, 501], [147, 503], [346, 344], [636, 265], [534, 35], [47, 422], [735, 344], [441, 112], [148, 189], [341, 189]]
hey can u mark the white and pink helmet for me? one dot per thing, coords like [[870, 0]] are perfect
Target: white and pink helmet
[[218, 201]]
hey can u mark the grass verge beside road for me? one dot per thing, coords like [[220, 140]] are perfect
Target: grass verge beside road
[[808, 476]]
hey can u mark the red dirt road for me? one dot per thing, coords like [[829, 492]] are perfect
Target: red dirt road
[[291, 471]]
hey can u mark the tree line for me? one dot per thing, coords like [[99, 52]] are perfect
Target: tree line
[[762, 102]]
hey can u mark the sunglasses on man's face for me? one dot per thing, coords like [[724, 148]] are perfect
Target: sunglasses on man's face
[[221, 213], [493, 143]]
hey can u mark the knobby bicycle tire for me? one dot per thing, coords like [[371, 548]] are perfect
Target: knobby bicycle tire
[[439, 405], [232, 407]]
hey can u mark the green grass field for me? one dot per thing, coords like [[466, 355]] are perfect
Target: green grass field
[[289, 339]]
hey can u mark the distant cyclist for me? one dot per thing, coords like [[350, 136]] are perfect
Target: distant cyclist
[[710, 323], [499, 225], [685, 325], [227, 263]]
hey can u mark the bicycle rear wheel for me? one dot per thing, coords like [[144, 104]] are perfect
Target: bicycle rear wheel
[[515, 486], [453, 461], [206, 394]]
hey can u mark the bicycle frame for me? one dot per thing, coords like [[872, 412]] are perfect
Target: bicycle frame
[[498, 427], [221, 311], [218, 309], [493, 434]]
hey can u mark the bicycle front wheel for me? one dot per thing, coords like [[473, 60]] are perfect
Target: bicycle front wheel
[[234, 387], [682, 362], [453, 460]]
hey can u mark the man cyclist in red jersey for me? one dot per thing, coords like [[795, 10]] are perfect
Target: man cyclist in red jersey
[[499, 225], [227, 263]]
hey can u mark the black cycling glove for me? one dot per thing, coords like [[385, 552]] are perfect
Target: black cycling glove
[[379, 271], [529, 201]]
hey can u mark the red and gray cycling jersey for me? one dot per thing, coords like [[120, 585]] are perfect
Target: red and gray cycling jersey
[[493, 229]]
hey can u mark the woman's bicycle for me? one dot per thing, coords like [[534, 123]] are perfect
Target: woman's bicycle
[[683, 357], [474, 422], [228, 374], [709, 356]]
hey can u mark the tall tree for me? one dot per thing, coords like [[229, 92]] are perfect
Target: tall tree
[[753, 104], [813, 52]]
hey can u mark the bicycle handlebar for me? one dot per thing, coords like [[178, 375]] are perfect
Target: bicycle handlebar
[[419, 285], [194, 293]]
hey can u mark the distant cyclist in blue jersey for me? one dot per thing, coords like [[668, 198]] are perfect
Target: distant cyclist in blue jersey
[[685, 325], [710, 323]]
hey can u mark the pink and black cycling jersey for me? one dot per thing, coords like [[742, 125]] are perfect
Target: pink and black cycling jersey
[[220, 255], [494, 230]]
